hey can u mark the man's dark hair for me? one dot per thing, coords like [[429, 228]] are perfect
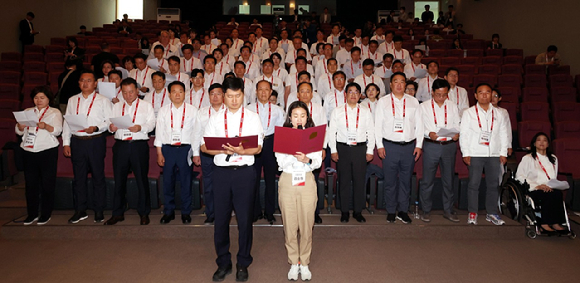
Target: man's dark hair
[[214, 86], [267, 61], [83, 27], [450, 70], [356, 48], [238, 63], [115, 72], [129, 81], [158, 73], [301, 58], [398, 74], [353, 84], [552, 48], [440, 83], [338, 73], [158, 46], [87, 71], [140, 56], [30, 14], [348, 40], [209, 57], [174, 58], [417, 50], [174, 83], [187, 46], [234, 84], [388, 55], [245, 47], [398, 38], [367, 62], [194, 73], [331, 59], [433, 61], [304, 73], [482, 84]]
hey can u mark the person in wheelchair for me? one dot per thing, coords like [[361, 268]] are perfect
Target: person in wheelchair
[[537, 168]]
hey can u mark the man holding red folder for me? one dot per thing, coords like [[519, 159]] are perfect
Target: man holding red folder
[[234, 178]]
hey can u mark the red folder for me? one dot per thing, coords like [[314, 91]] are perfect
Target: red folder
[[290, 141], [213, 143]]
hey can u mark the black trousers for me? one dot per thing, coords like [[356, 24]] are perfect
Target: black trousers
[[131, 156], [267, 160], [40, 177], [89, 156], [552, 206], [233, 189], [351, 167]]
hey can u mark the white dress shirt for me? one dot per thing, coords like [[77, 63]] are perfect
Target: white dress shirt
[[332, 100], [99, 114], [281, 73], [458, 95], [292, 52], [377, 56], [293, 96], [447, 117], [252, 69], [530, 170], [508, 124], [292, 81], [383, 72], [164, 129], [379, 38], [352, 69], [317, 113], [203, 115], [402, 55], [385, 120], [182, 77], [386, 47], [230, 60], [222, 68], [309, 69], [342, 56], [144, 117], [262, 43], [143, 77], [199, 98], [333, 39], [44, 139], [270, 115], [469, 136], [119, 95], [362, 80], [251, 126], [425, 89], [267, 53], [158, 99], [208, 48], [364, 127], [276, 82], [411, 68], [235, 48], [325, 84], [372, 106], [212, 78], [187, 66], [289, 164], [169, 50]]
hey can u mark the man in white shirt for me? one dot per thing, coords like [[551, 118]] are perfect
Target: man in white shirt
[[353, 67], [439, 151], [271, 116], [87, 147], [368, 77], [292, 53], [457, 94], [385, 71], [399, 139], [336, 96], [325, 81], [168, 49], [426, 83], [198, 96], [261, 41], [273, 48], [399, 53], [189, 62], [252, 66], [234, 178], [322, 64], [211, 76], [237, 43], [388, 45], [320, 38], [303, 77], [267, 75], [131, 152], [333, 38], [352, 142], [379, 35], [207, 46], [343, 55], [174, 138], [158, 96], [255, 45], [495, 100], [197, 51], [302, 53], [484, 143], [240, 72], [229, 58], [142, 74], [291, 83], [161, 64], [373, 53], [175, 74], [415, 66]]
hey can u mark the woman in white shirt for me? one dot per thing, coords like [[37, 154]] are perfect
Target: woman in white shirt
[[537, 168], [279, 72], [297, 196], [40, 155], [372, 93], [106, 67]]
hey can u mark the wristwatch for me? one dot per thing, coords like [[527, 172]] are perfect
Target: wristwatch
[[309, 161]]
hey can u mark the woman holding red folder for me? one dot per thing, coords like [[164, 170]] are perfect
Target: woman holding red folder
[[297, 195]]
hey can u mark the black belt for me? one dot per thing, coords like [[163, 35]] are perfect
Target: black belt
[[130, 141], [439, 142], [269, 137], [352, 145], [89, 137], [181, 145], [399, 142], [234, 167]]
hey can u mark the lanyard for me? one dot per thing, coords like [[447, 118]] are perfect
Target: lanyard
[[395, 54], [413, 66], [162, 62], [352, 68], [248, 70], [201, 99], [236, 47], [40, 119], [365, 79], [135, 114], [221, 67], [191, 65], [171, 111], [369, 102], [90, 106], [210, 107], [336, 98], [325, 70], [457, 93], [162, 98], [435, 116], [311, 109], [119, 91], [329, 82], [269, 112], [393, 105], [279, 72], [145, 76], [479, 121], [167, 48], [357, 116], [226, 122], [545, 168]]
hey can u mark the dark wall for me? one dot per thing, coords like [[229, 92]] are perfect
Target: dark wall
[[356, 12]]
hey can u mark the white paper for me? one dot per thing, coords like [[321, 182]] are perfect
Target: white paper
[[153, 64], [124, 72], [558, 185], [447, 133], [76, 122], [27, 118], [190, 157], [420, 73], [123, 122], [107, 90]]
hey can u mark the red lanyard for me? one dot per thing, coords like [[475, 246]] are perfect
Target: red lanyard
[[145, 76], [221, 67], [393, 105], [545, 168], [162, 98], [395, 54], [162, 61], [325, 70], [310, 109], [269, 79], [90, 106], [171, 111], [329, 82], [336, 98], [296, 80], [279, 72], [428, 84], [209, 110], [269, 112], [369, 102], [167, 48], [413, 66], [456, 92], [479, 121], [357, 116], [226, 122], [435, 116], [201, 99], [365, 79], [40, 119], [135, 114], [191, 64], [119, 91], [352, 68], [250, 66], [236, 47]]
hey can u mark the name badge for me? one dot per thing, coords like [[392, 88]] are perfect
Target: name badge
[[398, 125], [30, 139], [127, 135], [484, 138], [351, 138], [236, 158], [299, 178], [176, 138]]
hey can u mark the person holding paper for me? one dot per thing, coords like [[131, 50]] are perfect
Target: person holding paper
[[159, 96], [271, 116], [174, 68], [174, 137], [234, 178], [158, 63], [87, 147], [439, 151], [537, 168], [142, 74], [115, 76], [484, 143], [368, 77], [399, 139], [40, 155], [131, 151], [415, 66], [457, 94], [352, 142], [426, 83], [297, 189]]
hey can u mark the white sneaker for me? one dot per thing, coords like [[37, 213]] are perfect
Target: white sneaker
[[495, 219], [293, 273], [305, 274], [472, 219]]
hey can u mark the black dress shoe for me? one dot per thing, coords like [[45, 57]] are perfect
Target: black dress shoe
[[317, 219], [144, 220], [258, 217], [391, 217], [241, 273], [208, 221], [167, 218], [344, 217], [114, 219], [221, 272], [270, 218], [185, 218], [99, 217], [359, 217], [78, 216]]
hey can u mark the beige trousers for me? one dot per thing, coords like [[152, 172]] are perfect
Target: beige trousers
[[297, 205]]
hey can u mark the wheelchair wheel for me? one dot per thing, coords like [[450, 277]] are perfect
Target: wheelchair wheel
[[531, 234], [511, 202], [572, 235]]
